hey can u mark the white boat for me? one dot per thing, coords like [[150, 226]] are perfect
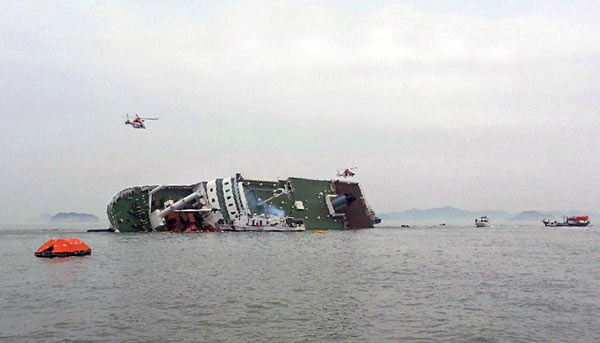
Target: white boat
[[269, 228], [264, 223], [482, 222]]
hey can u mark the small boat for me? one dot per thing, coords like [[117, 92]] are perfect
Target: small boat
[[265, 228], [264, 223], [568, 221], [110, 229], [482, 222], [551, 223]]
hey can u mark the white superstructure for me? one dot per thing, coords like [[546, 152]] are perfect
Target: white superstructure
[[482, 222]]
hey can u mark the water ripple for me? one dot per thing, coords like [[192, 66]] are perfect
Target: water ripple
[[509, 284]]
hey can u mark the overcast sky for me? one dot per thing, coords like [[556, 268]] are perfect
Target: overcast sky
[[474, 104]]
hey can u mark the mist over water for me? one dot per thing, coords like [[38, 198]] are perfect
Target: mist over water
[[500, 284]]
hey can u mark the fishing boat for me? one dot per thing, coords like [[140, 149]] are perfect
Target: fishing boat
[[482, 222], [568, 221]]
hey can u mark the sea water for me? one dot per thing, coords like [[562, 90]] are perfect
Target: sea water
[[424, 284]]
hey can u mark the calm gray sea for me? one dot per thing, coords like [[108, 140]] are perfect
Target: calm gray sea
[[450, 284]]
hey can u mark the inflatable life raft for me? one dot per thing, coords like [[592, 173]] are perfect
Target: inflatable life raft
[[62, 247]]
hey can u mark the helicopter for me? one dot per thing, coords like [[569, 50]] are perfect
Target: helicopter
[[137, 122], [348, 172]]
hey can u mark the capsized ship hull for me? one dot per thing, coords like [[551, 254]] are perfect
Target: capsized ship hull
[[295, 203]]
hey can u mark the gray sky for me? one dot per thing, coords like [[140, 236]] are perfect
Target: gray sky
[[474, 104]]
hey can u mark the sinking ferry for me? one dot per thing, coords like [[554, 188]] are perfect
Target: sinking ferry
[[239, 204]]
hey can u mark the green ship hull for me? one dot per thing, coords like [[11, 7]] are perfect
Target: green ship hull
[[223, 204]]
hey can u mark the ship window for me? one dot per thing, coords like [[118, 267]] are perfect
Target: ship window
[[213, 200], [229, 197], [230, 205], [226, 183], [232, 212], [211, 190], [228, 190]]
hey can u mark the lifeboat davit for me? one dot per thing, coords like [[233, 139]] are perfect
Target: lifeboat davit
[[62, 247]]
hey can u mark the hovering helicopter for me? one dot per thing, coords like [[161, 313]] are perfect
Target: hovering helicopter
[[348, 172], [137, 122]]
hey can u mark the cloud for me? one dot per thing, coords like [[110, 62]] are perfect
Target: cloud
[[396, 61], [428, 101]]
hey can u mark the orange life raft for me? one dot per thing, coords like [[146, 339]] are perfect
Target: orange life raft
[[61, 247]]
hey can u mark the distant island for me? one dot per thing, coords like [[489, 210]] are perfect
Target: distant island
[[70, 217], [531, 216]]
